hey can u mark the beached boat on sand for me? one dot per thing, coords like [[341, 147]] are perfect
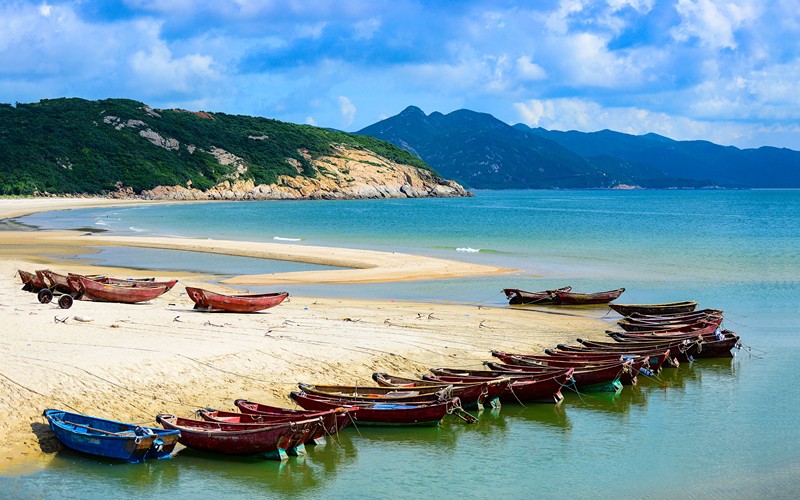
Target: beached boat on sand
[[207, 300], [516, 296], [107, 292], [30, 281], [109, 438]]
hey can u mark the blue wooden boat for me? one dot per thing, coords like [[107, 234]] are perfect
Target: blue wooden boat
[[109, 438]]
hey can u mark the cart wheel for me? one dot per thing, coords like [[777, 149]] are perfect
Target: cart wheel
[[45, 296], [65, 302]]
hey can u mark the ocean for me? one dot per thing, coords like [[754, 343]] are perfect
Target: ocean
[[715, 428]]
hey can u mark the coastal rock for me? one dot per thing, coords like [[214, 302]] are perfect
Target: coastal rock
[[349, 174]]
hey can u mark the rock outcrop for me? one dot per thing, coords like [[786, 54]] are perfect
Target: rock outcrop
[[349, 174]]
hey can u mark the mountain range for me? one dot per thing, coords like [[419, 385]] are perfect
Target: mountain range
[[479, 151]]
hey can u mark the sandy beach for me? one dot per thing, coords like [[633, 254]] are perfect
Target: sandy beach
[[130, 362]]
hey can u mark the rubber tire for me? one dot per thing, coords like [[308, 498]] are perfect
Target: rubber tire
[[65, 302], [45, 296]]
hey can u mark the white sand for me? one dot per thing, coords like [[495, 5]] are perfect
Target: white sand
[[130, 362]]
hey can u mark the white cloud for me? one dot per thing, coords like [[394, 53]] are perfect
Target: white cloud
[[347, 109], [589, 116], [158, 67], [713, 22], [529, 70], [311, 121]]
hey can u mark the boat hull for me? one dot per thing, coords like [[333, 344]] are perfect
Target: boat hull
[[110, 438]]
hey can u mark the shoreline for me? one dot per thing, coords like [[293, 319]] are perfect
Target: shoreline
[[130, 362]]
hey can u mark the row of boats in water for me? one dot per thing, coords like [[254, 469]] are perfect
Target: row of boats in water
[[653, 337]]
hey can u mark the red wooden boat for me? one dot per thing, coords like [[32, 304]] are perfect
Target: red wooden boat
[[523, 388], [207, 300], [30, 281], [374, 393], [679, 349], [627, 374], [55, 281], [332, 420], [576, 298], [474, 394], [656, 358], [717, 344], [516, 296], [686, 315], [639, 326], [136, 282], [656, 309], [699, 329], [107, 292], [602, 378], [241, 439], [390, 414]]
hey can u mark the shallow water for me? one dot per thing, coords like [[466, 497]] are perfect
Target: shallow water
[[718, 428]]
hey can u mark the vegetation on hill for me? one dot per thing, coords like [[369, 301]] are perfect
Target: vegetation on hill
[[74, 145], [479, 151]]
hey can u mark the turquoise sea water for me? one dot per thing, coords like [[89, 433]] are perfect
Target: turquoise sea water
[[719, 428]]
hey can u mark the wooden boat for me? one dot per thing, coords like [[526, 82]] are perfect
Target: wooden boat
[[473, 395], [274, 441], [137, 282], [382, 414], [375, 394], [680, 349], [601, 378], [516, 296], [30, 281], [107, 292], [332, 420], [523, 387], [56, 282], [700, 328], [656, 358], [575, 298], [207, 300], [109, 438], [712, 345], [686, 315], [655, 309], [673, 325], [628, 368]]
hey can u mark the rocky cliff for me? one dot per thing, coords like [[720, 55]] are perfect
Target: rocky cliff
[[349, 174]]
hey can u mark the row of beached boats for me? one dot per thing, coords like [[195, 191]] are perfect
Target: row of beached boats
[[70, 287], [658, 341]]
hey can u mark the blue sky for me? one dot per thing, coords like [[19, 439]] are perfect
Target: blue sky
[[722, 70]]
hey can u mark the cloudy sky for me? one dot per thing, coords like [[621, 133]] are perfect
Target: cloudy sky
[[722, 70]]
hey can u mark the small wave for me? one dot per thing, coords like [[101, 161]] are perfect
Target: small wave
[[100, 223], [468, 250], [279, 238], [137, 229]]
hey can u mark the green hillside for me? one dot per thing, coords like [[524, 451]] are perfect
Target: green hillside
[[65, 146]]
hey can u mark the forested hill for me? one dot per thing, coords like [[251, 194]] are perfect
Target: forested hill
[[69, 145]]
